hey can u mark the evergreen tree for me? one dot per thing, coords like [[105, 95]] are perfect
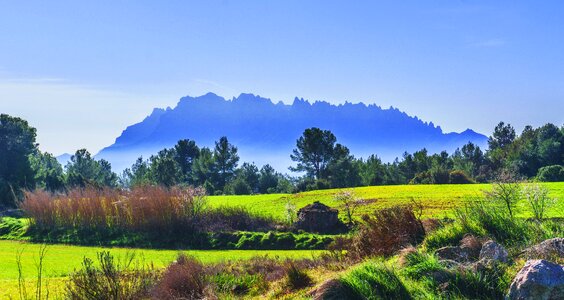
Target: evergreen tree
[[17, 143], [225, 159]]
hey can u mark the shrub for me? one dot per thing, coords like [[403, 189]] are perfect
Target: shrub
[[269, 241], [440, 176], [270, 269], [110, 280], [422, 178], [389, 230], [375, 281], [551, 173], [291, 212], [11, 228], [234, 218], [459, 177], [183, 279], [295, 278], [538, 199], [239, 187], [507, 193], [239, 284], [349, 202]]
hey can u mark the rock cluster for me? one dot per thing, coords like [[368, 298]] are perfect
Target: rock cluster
[[552, 248], [538, 279], [492, 251]]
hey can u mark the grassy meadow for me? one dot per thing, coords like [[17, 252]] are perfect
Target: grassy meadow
[[61, 260], [437, 200]]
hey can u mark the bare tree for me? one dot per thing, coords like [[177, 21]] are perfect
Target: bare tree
[[349, 203], [538, 199], [507, 190]]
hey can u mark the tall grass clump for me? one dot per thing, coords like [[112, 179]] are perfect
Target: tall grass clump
[[419, 265], [493, 217], [167, 214], [453, 281], [111, 279], [296, 278], [145, 208], [449, 235], [485, 219], [374, 280], [386, 232]]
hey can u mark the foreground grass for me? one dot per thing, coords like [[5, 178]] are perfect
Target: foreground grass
[[61, 260], [438, 200]]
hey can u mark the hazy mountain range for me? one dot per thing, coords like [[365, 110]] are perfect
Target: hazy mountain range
[[266, 132]]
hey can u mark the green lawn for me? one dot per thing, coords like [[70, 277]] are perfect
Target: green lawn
[[438, 200], [63, 259]]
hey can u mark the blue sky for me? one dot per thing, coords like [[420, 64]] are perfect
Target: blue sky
[[82, 71]]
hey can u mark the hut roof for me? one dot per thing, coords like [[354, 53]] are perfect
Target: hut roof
[[317, 207]]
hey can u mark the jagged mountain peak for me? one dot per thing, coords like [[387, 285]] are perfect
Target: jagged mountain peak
[[266, 132]]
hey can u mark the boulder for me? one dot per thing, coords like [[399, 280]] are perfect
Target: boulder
[[548, 249], [538, 279], [458, 254], [493, 251], [318, 217], [469, 250]]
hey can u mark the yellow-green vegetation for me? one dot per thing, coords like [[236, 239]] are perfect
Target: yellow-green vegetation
[[61, 260], [437, 200]]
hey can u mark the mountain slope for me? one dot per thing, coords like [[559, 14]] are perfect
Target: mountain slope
[[266, 132]]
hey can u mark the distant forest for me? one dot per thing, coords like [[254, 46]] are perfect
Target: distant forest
[[320, 162]]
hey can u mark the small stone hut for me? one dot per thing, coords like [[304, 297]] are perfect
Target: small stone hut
[[317, 217]]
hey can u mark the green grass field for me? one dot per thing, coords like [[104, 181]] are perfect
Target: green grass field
[[438, 200], [63, 259]]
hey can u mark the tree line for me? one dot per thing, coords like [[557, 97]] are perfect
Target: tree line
[[320, 162]]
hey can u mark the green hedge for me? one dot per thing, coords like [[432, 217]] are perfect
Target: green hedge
[[269, 240], [18, 229]]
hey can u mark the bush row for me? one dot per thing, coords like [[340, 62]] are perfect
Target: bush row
[[270, 241], [11, 228]]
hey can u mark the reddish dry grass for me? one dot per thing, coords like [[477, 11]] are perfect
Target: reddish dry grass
[[388, 231], [472, 244], [431, 225], [146, 209], [183, 279], [142, 208]]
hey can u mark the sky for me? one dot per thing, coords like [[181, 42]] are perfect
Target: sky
[[82, 71]]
